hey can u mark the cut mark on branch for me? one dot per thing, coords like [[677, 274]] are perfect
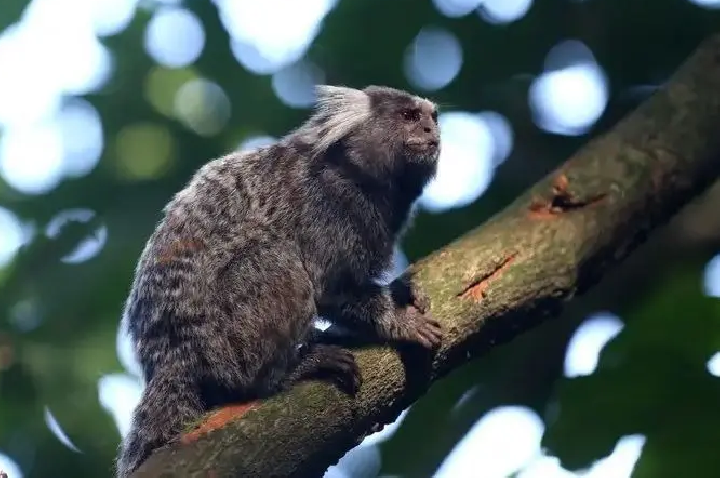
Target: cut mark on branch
[[477, 289], [562, 201], [218, 419]]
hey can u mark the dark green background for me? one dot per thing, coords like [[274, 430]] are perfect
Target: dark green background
[[652, 378]]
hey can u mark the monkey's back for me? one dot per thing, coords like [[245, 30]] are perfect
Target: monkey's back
[[176, 274], [230, 205]]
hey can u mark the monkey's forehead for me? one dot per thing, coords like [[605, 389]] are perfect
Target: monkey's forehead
[[389, 95], [425, 105]]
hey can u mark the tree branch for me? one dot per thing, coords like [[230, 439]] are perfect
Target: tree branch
[[490, 285]]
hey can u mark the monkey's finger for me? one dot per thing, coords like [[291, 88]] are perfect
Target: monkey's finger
[[434, 328], [432, 341], [433, 323], [344, 364], [344, 383], [431, 335], [347, 361], [357, 381], [350, 380], [422, 339], [427, 321], [420, 301]]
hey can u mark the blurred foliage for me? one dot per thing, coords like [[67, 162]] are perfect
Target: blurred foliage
[[652, 378]]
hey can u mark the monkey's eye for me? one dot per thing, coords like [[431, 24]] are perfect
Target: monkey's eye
[[410, 115]]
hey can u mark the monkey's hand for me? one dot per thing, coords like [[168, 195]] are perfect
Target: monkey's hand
[[412, 325], [396, 313], [412, 321]]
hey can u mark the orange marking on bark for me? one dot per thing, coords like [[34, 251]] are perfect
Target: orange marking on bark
[[476, 290], [560, 185], [218, 419], [540, 209], [562, 201]]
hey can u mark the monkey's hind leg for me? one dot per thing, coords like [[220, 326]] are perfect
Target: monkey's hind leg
[[270, 299]]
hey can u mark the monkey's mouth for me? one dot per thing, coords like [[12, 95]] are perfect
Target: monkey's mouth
[[423, 145]]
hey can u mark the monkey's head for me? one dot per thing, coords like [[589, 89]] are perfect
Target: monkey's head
[[404, 123], [384, 128]]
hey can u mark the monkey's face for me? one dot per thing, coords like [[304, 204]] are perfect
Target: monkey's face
[[419, 129], [405, 124]]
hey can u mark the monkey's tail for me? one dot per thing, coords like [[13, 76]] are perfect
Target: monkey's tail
[[169, 401]]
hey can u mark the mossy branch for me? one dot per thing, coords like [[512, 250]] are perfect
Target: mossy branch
[[513, 272]]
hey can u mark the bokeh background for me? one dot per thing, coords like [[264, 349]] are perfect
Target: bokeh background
[[108, 106]]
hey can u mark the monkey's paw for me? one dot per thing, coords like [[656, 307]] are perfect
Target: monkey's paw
[[341, 366], [420, 328]]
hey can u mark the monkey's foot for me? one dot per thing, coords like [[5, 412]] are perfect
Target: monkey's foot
[[338, 364]]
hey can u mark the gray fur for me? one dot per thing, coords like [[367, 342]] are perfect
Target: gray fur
[[258, 243]]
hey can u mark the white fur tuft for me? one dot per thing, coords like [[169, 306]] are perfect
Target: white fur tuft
[[338, 109]]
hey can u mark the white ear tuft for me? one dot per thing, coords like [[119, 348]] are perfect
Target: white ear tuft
[[337, 96], [338, 109]]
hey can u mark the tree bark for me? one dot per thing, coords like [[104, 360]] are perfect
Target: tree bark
[[490, 285]]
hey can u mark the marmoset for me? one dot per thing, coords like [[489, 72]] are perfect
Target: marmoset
[[260, 243]]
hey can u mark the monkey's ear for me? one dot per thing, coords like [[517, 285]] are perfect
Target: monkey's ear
[[335, 99], [338, 110]]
